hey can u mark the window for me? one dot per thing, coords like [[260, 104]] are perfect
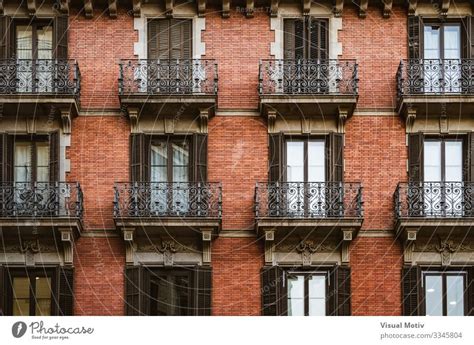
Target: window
[[305, 38], [442, 40], [170, 160], [170, 293], [307, 294], [31, 160], [444, 293], [170, 39]]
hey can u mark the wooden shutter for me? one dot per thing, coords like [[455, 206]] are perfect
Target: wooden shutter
[[410, 286], [289, 39], [343, 291], [414, 45], [66, 291], [2, 291], [180, 39], [335, 157], [133, 291], [140, 157], [54, 147], [276, 151], [415, 157], [318, 39], [470, 291], [199, 156], [61, 26], [274, 297], [202, 290], [6, 157], [152, 42], [6, 37], [170, 39]]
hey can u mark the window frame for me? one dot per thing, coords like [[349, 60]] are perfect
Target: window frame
[[170, 46], [307, 273], [444, 274], [306, 39], [34, 24], [170, 139], [443, 139], [442, 25], [33, 140], [305, 141]]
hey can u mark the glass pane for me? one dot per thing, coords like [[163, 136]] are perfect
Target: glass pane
[[170, 295], [45, 42], [452, 42], [42, 151], [22, 162], [180, 162], [317, 295], [433, 295], [295, 295], [316, 161], [295, 161], [180, 174], [179, 295], [431, 42], [455, 295], [24, 42], [159, 161], [21, 296], [432, 161], [43, 296], [453, 161]]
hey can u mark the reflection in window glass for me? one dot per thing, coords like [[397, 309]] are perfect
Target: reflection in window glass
[[317, 295], [434, 295], [296, 295], [43, 296], [455, 295], [295, 161], [21, 296], [170, 295]]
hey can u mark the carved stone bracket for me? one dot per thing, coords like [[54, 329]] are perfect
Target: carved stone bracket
[[271, 121], [203, 120], [128, 237], [169, 4], [168, 249], [274, 8], [31, 4], [347, 237], [269, 246], [169, 124], [64, 6], [201, 8], [412, 5], [133, 114], [306, 7], [113, 8], [67, 239], [409, 245], [341, 120], [2, 9], [137, 8], [31, 124], [249, 8], [410, 119], [363, 5], [225, 8], [387, 8], [337, 9], [443, 124], [66, 120], [88, 9], [206, 245], [305, 125], [445, 7]]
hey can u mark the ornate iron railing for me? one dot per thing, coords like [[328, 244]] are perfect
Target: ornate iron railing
[[164, 199], [438, 76], [41, 199], [320, 77], [308, 200], [168, 77], [40, 76], [434, 199]]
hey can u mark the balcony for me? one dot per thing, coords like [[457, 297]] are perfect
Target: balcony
[[162, 206], [430, 208], [41, 206], [308, 87], [307, 205], [39, 86], [168, 86], [431, 87]]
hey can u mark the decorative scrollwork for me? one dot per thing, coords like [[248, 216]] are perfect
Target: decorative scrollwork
[[164, 76], [41, 199], [331, 77], [40, 76], [434, 199], [309, 200], [435, 76], [163, 199]]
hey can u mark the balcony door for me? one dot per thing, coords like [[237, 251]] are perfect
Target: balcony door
[[443, 177], [306, 175], [34, 53], [170, 173], [307, 294], [442, 57]]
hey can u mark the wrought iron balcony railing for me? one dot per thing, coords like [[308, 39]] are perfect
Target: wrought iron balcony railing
[[308, 77], [41, 200], [40, 76], [308, 200], [434, 199], [168, 77], [164, 199], [435, 76]]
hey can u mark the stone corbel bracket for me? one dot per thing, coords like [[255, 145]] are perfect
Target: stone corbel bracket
[[113, 8], [363, 5], [410, 118], [206, 246], [31, 5], [249, 8], [88, 9], [271, 116], [269, 245], [137, 8], [412, 5], [347, 237], [64, 6], [274, 8], [203, 120], [225, 8], [67, 239], [2, 8], [387, 8], [201, 8], [66, 120], [341, 120], [133, 115], [306, 7], [129, 238], [338, 7], [408, 245], [169, 6], [445, 7]]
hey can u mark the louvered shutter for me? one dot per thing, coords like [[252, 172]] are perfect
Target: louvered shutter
[[152, 42], [415, 157], [343, 291], [318, 39], [6, 157], [54, 148], [276, 151], [66, 291], [410, 286], [6, 37], [140, 157], [61, 26], [274, 296], [470, 291], [180, 39], [300, 39], [199, 155], [2, 291], [289, 39], [202, 290], [133, 291], [414, 45], [335, 148]]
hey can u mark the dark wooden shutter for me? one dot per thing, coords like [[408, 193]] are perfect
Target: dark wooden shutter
[[6, 157], [202, 290], [180, 39], [289, 39], [133, 291], [335, 157], [66, 291], [274, 300], [410, 287], [199, 156], [140, 157], [318, 39], [61, 26], [414, 44], [54, 147], [343, 291], [276, 152], [415, 157], [300, 39], [152, 42], [6, 37], [470, 291], [2, 291]]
